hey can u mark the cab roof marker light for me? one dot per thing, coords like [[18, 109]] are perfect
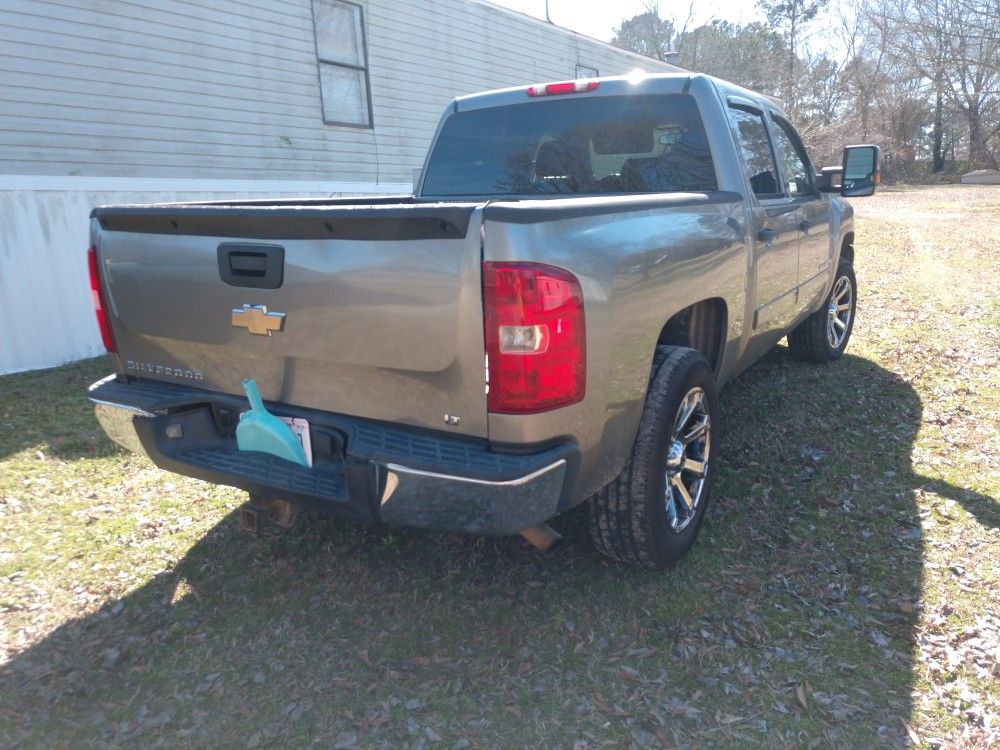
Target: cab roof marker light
[[563, 87]]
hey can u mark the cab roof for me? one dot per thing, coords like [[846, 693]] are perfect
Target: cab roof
[[637, 82]]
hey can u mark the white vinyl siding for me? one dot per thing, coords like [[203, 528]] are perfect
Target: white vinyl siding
[[225, 89]]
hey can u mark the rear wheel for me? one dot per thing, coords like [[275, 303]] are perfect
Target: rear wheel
[[823, 336], [651, 513]]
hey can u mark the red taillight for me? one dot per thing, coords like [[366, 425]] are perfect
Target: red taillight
[[100, 309], [563, 87], [535, 337]]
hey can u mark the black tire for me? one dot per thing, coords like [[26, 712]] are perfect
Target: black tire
[[809, 340], [628, 518]]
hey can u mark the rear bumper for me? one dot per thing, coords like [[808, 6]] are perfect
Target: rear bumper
[[367, 471]]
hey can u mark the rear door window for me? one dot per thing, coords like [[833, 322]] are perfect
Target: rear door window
[[754, 144], [574, 146]]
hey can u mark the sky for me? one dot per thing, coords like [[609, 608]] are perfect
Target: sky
[[598, 18]]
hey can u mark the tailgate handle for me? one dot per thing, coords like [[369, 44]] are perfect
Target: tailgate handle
[[248, 264], [252, 266]]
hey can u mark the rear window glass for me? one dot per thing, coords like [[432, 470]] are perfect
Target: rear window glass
[[576, 145]]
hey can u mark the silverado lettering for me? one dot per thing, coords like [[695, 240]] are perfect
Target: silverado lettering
[[175, 372]]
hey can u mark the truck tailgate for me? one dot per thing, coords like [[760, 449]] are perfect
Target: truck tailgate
[[381, 303]]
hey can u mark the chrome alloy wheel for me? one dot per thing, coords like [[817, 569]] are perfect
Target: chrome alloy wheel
[[687, 459], [839, 311]]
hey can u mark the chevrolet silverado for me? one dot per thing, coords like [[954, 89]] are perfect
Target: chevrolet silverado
[[545, 322]]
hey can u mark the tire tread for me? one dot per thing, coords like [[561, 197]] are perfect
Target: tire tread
[[620, 526], [807, 341]]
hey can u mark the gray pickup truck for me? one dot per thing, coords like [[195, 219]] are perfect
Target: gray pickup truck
[[544, 323]]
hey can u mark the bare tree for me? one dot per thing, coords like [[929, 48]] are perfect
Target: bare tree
[[954, 46], [919, 77]]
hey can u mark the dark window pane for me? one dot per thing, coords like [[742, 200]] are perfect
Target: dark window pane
[[751, 135], [640, 144]]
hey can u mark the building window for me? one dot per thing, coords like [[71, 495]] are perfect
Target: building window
[[582, 71], [343, 63]]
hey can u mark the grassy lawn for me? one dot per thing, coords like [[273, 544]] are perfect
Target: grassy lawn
[[843, 593]]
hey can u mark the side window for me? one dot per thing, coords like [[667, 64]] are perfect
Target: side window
[[343, 63], [751, 136], [793, 158]]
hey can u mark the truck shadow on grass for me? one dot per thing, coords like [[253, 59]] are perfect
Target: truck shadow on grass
[[792, 621]]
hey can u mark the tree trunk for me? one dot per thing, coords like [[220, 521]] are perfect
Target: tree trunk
[[791, 63], [980, 156], [937, 133]]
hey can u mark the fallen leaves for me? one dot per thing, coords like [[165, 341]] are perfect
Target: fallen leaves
[[800, 696]]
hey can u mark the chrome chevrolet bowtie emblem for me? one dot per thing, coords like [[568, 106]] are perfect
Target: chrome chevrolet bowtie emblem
[[257, 320]]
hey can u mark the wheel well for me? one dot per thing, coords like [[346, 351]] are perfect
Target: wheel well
[[847, 249], [702, 327]]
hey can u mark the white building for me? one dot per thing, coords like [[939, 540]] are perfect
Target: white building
[[106, 101]]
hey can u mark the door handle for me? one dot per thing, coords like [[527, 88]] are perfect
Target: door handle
[[767, 235], [805, 225]]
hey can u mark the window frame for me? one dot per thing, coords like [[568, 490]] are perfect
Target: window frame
[[752, 109], [320, 61], [780, 121], [592, 72]]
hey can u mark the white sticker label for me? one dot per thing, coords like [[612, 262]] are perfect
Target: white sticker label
[[300, 428]]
